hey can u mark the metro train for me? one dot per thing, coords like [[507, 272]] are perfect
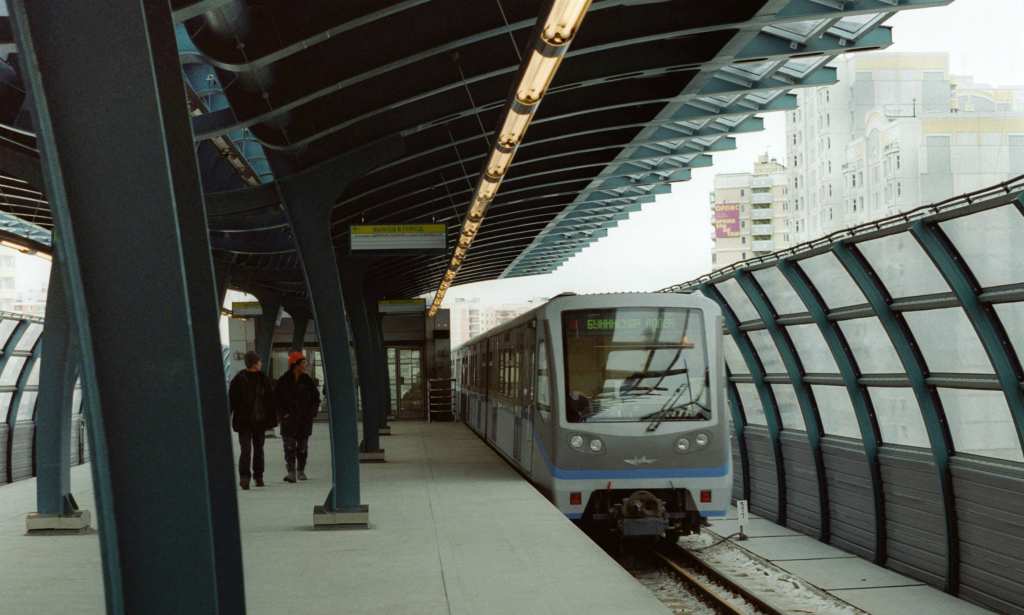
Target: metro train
[[612, 405]]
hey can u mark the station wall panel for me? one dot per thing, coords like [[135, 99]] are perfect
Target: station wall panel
[[990, 518], [803, 508], [737, 465], [22, 451], [764, 484], [3, 453], [915, 522], [850, 500]]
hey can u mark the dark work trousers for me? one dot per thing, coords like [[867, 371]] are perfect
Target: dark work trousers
[[296, 448], [253, 440]]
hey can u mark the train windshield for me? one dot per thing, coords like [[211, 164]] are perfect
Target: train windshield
[[635, 364]]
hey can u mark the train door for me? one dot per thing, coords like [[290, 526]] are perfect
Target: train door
[[405, 366], [491, 381], [526, 411]]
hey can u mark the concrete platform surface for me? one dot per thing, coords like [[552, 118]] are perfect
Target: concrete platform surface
[[453, 530]]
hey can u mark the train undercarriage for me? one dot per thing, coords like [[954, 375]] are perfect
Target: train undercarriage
[[645, 513]]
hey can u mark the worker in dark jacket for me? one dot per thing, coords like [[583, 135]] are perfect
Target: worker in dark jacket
[[252, 413], [297, 404]]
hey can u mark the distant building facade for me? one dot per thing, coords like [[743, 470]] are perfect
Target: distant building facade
[[470, 317], [8, 277], [896, 132], [750, 213]]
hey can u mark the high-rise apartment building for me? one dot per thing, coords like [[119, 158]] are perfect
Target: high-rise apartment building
[[471, 317], [896, 132], [750, 213], [8, 276]]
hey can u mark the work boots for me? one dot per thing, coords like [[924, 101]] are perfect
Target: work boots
[[244, 484], [290, 477], [302, 471]]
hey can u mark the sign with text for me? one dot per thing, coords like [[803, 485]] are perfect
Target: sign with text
[[244, 309], [727, 220], [398, 237], [743, 514], [402, 306]]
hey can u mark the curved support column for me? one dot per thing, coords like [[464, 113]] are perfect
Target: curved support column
[[307, 199], [866, 420], [352, 287], [771, 409], [931, 407], [270, 305], [12, 416], [301, 323], [380, 364], [152, 545], [804, 395]]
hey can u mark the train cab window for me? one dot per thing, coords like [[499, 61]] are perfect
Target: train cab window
[[635, 364], [543, 382]]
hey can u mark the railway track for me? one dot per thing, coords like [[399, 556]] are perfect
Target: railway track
[[731, 581]]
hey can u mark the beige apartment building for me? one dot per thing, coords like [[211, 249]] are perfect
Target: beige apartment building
[[750, 213]]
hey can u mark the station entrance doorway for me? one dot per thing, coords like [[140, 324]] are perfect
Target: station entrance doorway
[[408, 386]]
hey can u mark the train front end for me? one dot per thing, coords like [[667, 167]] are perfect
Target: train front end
[[642, 445]]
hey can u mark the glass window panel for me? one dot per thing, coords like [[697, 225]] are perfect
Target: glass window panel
[[11, 371], [903, 266], [815, 356], [832, 281], [948, 341], [789, 407], [836, 411], [989, 241], [871, 346], [853, 23], [752, 408], [798, 29], [1012, 317], [980, 423], [899, 416], [33, 376], [737, 300], [26, 409], [5, 405], [31, 335], [76, 401], [733, 357], [784, 299], [6, 328], [768, 352]]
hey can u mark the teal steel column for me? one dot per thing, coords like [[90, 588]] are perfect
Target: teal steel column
[[931, 408], [737, 424], [301, 323], [380, 361], [352, 289], [771, 409], [804, 395], [308, 198], [161, 499], [53, 406], [983, 316], [862, 407], [270, 305]]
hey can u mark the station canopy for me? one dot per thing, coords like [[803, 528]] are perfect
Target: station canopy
[[646, 92]]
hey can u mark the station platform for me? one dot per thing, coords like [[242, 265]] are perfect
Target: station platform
[[870, 588], [453, 530]]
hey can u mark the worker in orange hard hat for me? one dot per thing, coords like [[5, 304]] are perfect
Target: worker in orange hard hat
[[297, 404]]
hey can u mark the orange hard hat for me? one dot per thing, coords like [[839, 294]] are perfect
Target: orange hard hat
[[294, 357]]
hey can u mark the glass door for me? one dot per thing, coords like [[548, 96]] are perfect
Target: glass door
[[405, 369]]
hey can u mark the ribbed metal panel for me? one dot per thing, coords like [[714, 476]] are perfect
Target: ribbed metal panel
[[849, 496], [86, 453], [763, 481], [990, 513], [802, 505], [22, 450], [76, 435], [3, 453], [915, 522], [737, 466]]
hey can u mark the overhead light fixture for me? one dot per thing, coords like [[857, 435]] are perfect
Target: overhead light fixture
[[514, 129], [15, 246], [499, 163], [564, 20], [537, 77], [479, 208]]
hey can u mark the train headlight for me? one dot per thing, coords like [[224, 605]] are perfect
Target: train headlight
[[702, 439], [576, 441], [596, 445], [682, 445]]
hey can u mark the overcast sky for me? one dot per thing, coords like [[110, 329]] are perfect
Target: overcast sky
[[670, 241]]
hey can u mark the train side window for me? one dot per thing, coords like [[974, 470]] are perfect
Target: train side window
[[543, 382]]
